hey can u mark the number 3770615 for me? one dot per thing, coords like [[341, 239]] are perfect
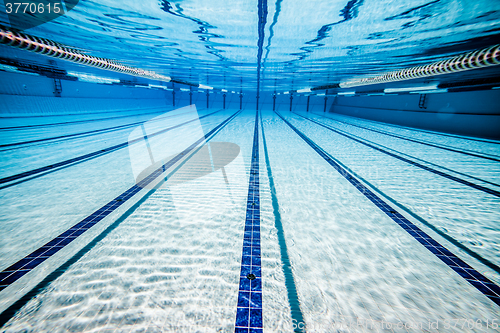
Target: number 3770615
[[33, 8]]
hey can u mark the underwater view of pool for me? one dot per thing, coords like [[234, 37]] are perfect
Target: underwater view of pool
[[250, 166]]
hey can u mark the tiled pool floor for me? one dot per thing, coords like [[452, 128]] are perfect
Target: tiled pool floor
[[173, 261]]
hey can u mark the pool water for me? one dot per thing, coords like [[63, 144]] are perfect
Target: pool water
[[173, 261], [235, 184]]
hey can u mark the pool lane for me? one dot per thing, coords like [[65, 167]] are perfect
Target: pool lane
[[173, 265], [31, 261], [16, 179], [291, 288], [69, 136], [159, 271], [422, 142], [406, 160], [20, 159], [91, 118], [463, 214], [476, 145], [352, 261], [55, 202], [476, 279], [468, 167]]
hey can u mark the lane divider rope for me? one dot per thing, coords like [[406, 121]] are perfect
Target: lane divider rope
[[486, 57], [56, 50]]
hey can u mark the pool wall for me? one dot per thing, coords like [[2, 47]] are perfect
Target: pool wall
[[30, 94], [471, 113], [35, 94]]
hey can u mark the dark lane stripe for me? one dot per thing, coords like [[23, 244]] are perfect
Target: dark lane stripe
[[469, 153], [11, 311], [476, 279], [437, 172], [66, 136], [293, 297], [249, 308], [89, 155], [31, 261]]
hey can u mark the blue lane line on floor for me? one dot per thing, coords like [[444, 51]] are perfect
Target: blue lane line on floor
[[249, 309], [87, 156], [430, 144], [31, 261], [476, 279], [437, 172]]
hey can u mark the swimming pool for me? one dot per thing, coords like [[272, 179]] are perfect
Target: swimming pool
[[256, 190]]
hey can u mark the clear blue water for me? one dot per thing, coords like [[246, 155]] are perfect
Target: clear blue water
[[294, 44], [173, 264], [122, 212]]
